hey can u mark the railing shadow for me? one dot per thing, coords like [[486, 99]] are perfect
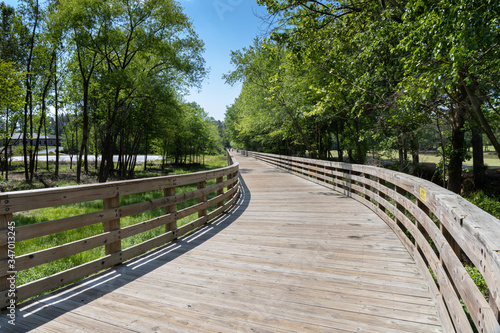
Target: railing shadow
[[39, 311]]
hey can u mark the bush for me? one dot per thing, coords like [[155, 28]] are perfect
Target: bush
[[490, 204]]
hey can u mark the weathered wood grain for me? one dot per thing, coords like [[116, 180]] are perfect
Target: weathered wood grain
[[409, 205], [291, 256]]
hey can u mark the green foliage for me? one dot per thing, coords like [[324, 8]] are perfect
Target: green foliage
[[120, 68], [478, 279], [489, 204], [190, 133], [374, 76], [10, 87]]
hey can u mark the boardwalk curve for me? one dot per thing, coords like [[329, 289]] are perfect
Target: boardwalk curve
[[291, 256]]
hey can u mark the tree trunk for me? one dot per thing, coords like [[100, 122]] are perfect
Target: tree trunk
[[400, 140], [8, 142], [415, 150], [85, 132], [96, 144], [25, 129], [359, 148], [146, 154], [34, 158], [457, 146], [107, 166], [477, 113], [107, 150], [29, 101], [46, 144], [57, 119], [477, 157], [340, 151]]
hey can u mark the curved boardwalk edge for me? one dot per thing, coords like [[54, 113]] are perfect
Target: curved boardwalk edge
[[436, 226], [290, 256]]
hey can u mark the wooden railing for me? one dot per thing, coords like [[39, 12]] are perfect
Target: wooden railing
[[438, 227], [224, 189]]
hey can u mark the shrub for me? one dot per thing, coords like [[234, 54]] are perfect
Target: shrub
[[489, 204]]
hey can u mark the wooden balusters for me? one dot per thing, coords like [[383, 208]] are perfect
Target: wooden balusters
[[203, 198], [4, 256], [420, 227], [220, 191], [401, 208], [112, 225], [171, 209], [381, 194]]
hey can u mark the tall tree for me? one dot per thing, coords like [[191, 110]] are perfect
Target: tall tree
[[32, 12], [455, 65], [84, 24], [10, 100]]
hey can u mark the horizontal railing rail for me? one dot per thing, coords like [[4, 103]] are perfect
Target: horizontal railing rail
[[438, 227], [222, 187]]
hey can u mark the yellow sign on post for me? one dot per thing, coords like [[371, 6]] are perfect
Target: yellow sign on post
[[423, 195]]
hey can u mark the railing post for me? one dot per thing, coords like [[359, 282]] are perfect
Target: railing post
[[203, 198], [231, 176], [451, 241], [235, 176], [171, 209], [400, 207], [420, 227], [349, 184], [364, 185], [4, 256], [229, 186], [381, 194], [220, 192], [111, 203]]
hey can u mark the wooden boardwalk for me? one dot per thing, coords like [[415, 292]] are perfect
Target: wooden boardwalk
[[292, 256]]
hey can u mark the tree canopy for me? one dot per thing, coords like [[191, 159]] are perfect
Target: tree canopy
[[362, 76], [117, 69]]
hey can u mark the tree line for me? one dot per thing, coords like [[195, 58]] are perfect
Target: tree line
[[361, 76], [109, 75]]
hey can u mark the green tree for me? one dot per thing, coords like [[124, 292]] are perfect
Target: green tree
[[452, 51], [273, 100], [12, 34], [386, 68], [119, 47], [11, 102]]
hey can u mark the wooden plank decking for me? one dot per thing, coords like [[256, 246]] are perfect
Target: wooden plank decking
[[292, 256]]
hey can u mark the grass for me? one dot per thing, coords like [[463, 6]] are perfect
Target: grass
[[490, 159], [53, 213]]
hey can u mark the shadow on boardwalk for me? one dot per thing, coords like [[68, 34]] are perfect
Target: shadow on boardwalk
[[37, 312]]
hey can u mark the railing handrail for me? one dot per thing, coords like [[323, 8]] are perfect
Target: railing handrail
[[418, 210], [226, 190]]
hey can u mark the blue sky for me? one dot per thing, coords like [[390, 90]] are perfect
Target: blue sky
[[223, 25]]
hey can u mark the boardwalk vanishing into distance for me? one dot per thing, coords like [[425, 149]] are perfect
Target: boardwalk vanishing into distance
[[291, 256]]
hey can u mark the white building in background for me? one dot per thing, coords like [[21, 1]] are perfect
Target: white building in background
[[17, 140]]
